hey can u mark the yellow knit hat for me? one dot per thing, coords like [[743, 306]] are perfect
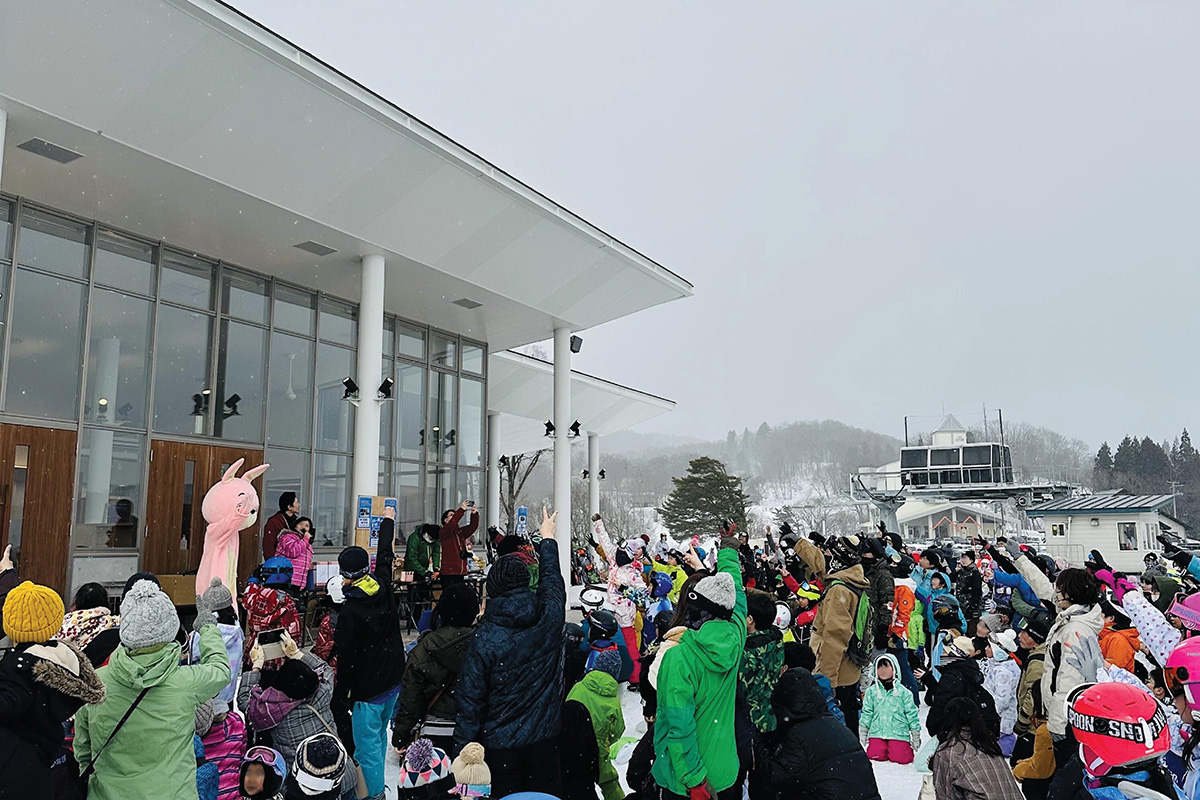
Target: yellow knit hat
[[32, 613]]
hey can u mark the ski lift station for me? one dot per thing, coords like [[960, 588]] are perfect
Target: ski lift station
[[214, 246]]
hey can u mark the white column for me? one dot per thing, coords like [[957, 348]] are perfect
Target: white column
[[364, 475], [3, 126], [593, 474], [562, 447], [100, 444], [493, 474]]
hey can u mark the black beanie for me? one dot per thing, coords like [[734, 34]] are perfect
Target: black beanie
[[139, 576], [459, 605], [296, 679], [354, 562], [508, 574], [510, 543]]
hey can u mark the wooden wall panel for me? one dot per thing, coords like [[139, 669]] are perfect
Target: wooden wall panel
[[50, 481]]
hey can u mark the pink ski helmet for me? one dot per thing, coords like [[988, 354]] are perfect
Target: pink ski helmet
[[1183, 667], [1187, 608]]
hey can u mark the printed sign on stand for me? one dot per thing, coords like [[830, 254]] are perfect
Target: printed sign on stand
[[370, 515]]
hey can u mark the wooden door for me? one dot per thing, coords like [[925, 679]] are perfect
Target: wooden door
[[181, 473], [37, 483]]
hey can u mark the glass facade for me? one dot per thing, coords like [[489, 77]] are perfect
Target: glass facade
[[126, 341]]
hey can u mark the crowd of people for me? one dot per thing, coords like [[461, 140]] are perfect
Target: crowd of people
[[783, 669]]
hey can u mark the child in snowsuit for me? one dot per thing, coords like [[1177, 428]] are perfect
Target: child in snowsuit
[[1002, 681], [889, 724], [625, 587], [268, 604], [220, 600], [598, 693]]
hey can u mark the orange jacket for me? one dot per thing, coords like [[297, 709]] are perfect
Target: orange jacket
[[1120, 647], [904, 603]]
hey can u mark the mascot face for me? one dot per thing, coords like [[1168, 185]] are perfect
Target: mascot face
[[234, 499]]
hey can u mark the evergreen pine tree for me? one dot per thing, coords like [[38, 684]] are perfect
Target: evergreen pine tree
[[1102, 467], [702, 499]]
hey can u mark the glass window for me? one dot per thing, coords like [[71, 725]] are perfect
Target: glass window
[[412, 341], [295, 311], [118, 368], [917, 457], [472, 358], [385, 412], [288, 473], [187, 280], [1127, 535], [244, 296], [442, 437], [470, 423], [944, 458], [108, 489], [289, 420], [443, 350], [335, 416], [384, 489], [338, 322], [470, 487], [44, 362], [241, 373], [54, 243], [16, 503], [407, 480], [6, 216], [409, 392], [440, 491], [124, 263], [331, 501], [181, 389], [389, 336]]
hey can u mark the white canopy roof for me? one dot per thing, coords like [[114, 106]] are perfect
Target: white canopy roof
[[202, 128], [521, 390]]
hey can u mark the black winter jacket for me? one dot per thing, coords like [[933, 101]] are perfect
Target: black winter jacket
[[968, 588], [367, 640], [37, 694], [882, 595], [431, 672], [509, 687], [578, 753], [817, 757], [961, 678]]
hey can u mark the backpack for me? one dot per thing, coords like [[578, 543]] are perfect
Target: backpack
[[863, 633]]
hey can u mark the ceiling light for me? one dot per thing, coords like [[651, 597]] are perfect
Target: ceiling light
[[54, 152], [550, 429], [467, 303], [316, 248]]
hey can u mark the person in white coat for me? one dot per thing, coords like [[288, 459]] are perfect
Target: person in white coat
[[1001, 681], [626, 591]]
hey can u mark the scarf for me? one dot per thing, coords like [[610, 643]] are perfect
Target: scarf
[[83, 626], [268, 707]]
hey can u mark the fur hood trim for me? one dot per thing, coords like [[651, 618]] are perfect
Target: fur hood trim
[[52, 670]]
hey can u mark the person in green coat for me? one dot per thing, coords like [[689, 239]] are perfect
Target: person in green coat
[[423, 552], [152, 754], [694, 739], [889, 725], [598, 693]]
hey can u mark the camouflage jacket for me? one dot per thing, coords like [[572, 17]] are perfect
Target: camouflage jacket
[[759, 672]]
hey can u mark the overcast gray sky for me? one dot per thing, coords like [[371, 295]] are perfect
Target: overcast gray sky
[[886, 208]]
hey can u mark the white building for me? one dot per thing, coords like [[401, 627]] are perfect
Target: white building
[[932, 519], [1122, 527]]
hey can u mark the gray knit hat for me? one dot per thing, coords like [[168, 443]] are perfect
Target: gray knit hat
[[607, 661], [147, 617], [204, 717], [217, 596], [994, 622], [715, 594]]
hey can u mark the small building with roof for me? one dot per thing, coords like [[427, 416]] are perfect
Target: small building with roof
[[1123, 527]]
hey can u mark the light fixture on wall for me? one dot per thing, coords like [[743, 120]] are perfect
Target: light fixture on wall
[[231, 406], [600, 475], [574, 430], [576, 344], [102, 409], [503, 462], [200, 404], [351, 395], [1095, 522], [549, 429], [385, 389]]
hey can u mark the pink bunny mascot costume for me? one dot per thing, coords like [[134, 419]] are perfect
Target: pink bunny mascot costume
[[230, 507]]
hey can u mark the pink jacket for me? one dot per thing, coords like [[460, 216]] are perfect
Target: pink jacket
[[294, 548], [225, 745]]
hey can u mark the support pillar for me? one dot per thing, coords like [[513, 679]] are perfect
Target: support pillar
[[493, 473], [364, 472], [100, 450], [593, 474], [562, 449], [3, 127]]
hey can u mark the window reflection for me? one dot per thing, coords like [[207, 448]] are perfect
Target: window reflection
[[108, 489], [124, 263], [118, 360], [331, 501], [291, 401], [409, 392], [241, 365], [44, 362], [182, 395], [54, 243], [441, 436], [335, 416]]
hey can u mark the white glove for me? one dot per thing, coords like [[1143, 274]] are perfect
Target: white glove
[[915, 740], [864, 736]]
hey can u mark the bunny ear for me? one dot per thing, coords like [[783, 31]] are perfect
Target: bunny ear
[[254, 473], [232, 472]]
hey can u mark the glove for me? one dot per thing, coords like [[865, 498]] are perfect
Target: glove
[[1084, 656], [256, 657], [290, 648], [1170, 548], [1014, 549], [702, 792], [729, 543], [204, 615], [1137, 791], [915, 739], [817, 539], [864, 736]]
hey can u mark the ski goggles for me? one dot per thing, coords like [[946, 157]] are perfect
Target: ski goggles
[[267, 757]]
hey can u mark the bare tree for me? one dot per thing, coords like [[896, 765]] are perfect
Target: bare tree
[[514, 472]]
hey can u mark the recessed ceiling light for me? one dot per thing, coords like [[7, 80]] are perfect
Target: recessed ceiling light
[[316, 248], [41, 147], [467, 303]]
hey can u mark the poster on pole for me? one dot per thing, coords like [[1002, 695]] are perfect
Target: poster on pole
[[370, 514]]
